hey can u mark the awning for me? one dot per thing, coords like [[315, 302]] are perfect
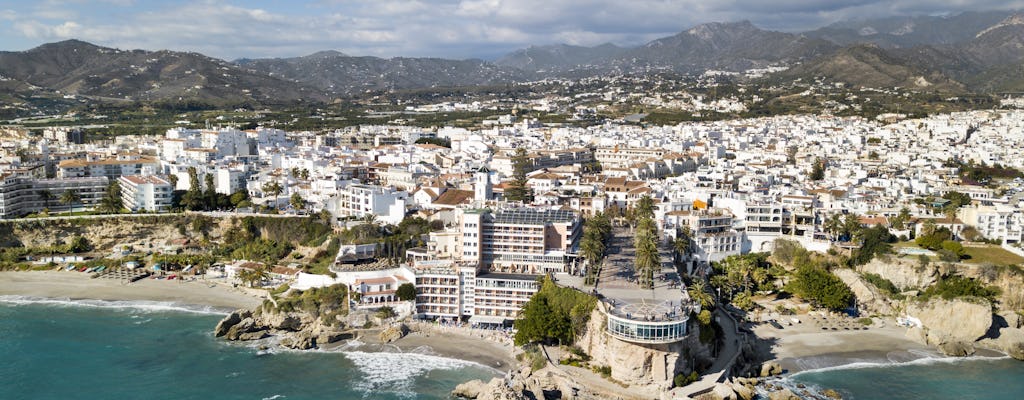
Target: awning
[[486, 319]]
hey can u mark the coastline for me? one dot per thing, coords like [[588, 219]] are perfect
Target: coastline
[[79, 286], [804, 346], [458, 346]]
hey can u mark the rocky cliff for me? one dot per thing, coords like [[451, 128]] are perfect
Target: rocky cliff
[[638, 365], [868, 296], [906, 275], [951, 325]]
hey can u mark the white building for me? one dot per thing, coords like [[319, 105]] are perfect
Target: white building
[[358, 200], [145, 193]]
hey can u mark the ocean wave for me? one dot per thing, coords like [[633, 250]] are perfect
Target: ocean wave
[[395, 372], [926, 360], [135, 305]]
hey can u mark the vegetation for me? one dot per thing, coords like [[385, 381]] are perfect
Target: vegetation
[[254, 276], [738, 277], [882, 284], [554, 314], [955, 286], [596, 232], [682, 380], [316, 301], [517, 189], [110, 203], [646, 242], [818, 170], [874, 241], [443, 142], [406, 292], [818, 286]]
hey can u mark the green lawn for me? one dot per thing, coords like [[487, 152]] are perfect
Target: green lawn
[[991, 255]]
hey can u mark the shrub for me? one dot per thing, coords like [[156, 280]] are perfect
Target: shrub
[[881, 283], [554, 314], [820, 287], [683, 380], [957, 286]]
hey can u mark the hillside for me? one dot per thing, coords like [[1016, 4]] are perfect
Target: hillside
[[560, 57], [871, 66], [341, 74], [910, 31], [79, 68], [730, 46]]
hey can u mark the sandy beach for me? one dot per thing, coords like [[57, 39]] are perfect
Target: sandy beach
[[448, 344], [77, 285], [803, 346]]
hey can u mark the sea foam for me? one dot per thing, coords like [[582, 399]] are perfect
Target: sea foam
[[396, 372], [134, 305], [926, 360]]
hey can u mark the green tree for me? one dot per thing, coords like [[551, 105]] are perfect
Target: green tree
[[210, 195], [406, 292], [517, 189], [111, 201], [899, 221], [46, 196], [698, 291], [297, 202], [874, 241], [648, 260], [70, 198], [954, 247], [273, 188], [817, 170], [820, 287], [704, 317], [645, 207], [193, 198]]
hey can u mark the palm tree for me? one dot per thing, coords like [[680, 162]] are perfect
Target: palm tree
[[833, 225], [69, 198], [46, 196], [698, 291]]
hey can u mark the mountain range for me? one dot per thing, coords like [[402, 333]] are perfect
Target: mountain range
[[964, 52]]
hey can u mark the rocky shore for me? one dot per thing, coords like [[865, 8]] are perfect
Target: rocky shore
[[296, 330]]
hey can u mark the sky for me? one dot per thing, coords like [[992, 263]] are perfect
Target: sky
[[416, 28]]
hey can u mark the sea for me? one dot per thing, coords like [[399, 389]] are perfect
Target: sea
[[930, 377], [87, 349]]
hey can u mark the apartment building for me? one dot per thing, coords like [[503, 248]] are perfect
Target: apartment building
[[358, 200], [21, 195], [616, 157], [521, 240], [110, 168], [145, 193]]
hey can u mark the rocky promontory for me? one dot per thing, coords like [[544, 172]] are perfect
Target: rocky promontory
[[302, 320]]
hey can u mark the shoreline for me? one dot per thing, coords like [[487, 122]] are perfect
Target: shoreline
[[805, 347], [79, 286], [76, 286]]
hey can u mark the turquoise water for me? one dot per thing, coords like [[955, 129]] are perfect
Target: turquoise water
[[140, 350], [932, 379]]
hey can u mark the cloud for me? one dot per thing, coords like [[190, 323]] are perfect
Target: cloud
[[444, 28]]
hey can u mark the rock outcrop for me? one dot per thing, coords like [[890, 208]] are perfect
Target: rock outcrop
[[1007, 335], [634, 364], [470, 390], [393, 333], [297, 330], [902, 273], [952, 325], [868, 296]]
